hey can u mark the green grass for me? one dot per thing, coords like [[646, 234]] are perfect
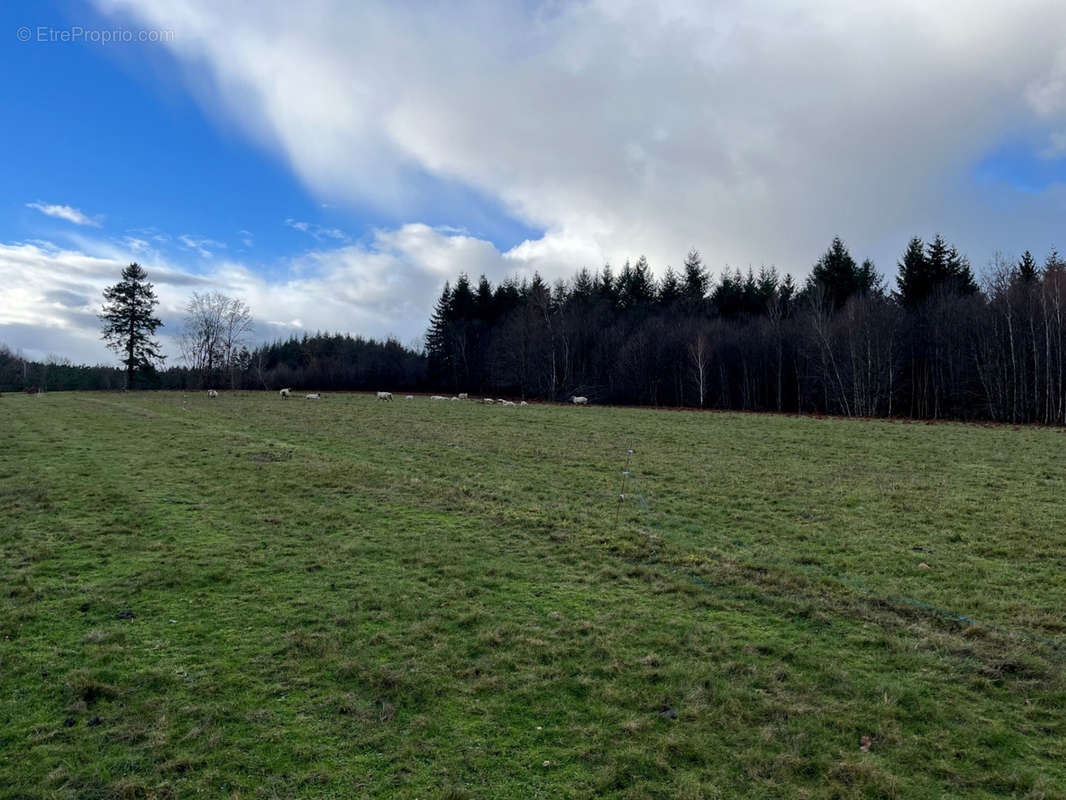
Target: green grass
[[360, 599]]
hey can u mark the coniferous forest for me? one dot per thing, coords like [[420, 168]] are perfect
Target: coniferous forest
[[934, 344]]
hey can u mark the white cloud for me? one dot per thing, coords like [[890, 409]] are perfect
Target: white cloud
[[69, 213], [754, 132], [136, 245], [200, 244], [320, 232]]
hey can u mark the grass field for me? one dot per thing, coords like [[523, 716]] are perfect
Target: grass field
[[250, 597]]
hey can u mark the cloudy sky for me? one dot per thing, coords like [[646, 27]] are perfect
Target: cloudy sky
[[333, 163]]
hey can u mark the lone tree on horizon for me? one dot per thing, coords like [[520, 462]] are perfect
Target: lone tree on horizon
[[129, 322]]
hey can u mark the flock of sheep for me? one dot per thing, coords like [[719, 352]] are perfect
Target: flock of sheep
[[387, 396]]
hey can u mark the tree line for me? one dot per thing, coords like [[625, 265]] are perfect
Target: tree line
[[936, 345], [215, 347], [324, 361]]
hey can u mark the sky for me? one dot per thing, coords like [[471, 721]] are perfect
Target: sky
[[333, 163]]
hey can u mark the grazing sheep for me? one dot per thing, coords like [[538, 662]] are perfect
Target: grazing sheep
[[455, 398], [313, 396], [385, 396], [212, 393], [464, 396], [488, 401], [579, 401], [507, 402], [409, 397], [438, 397], [285, 393], [523, 403]]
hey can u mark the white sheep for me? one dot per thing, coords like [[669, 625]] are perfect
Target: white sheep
[[523, 403], [488, 401], [464, 396], [409, 397], [507, 402], [385, 396], [313, 396], [579, 401], [285, 393], [212, 393], [455, 398], [438, 397]]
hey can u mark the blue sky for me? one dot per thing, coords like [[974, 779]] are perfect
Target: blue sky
[[111, 130], [333, 163]]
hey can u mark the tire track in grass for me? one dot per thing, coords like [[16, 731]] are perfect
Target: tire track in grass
[[673, 562]]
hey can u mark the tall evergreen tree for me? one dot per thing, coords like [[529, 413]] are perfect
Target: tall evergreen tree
[[766, 286], [837, 273], [869, 280], [669, 289], [130, 323], [913, 281], [506, 297], [584, 284], [438, 321], [1028, 270], [937, 268], [484, 301], [462, 304], [960, 277], [787, 290], [607, 286], [938, 258], [437, 351], [696, 281], [728, 294], [636, 286]]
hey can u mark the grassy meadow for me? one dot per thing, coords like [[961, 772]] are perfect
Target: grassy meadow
[[251, 597]]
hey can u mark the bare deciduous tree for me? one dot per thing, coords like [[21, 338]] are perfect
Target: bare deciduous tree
[[216, 330]]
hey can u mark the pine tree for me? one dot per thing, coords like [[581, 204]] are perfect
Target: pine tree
[[696, 281], [437, 334], [1028, 270], [837, 272], [938, 259], [484, 302], [642, 284], [669, 289], [584, 284], [462, 304], [607, 286], [870, 282], [506, 297], [766, 286], [961, 281], [750, 302], [1054, 263], [728, 294], [130, 323], [623, 284], [913, 282], [787, 293]]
